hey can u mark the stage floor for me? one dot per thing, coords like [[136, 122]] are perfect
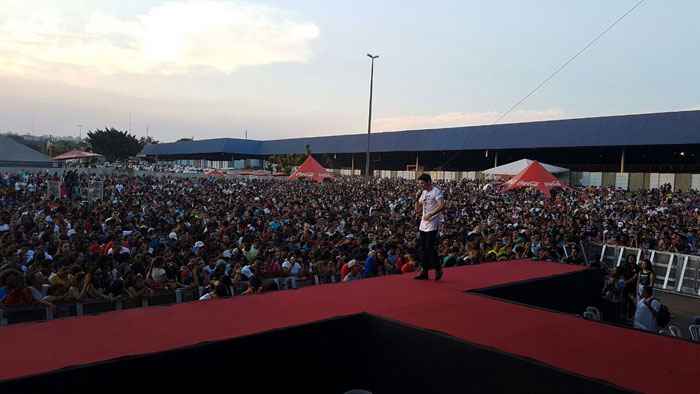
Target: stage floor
[[626, 358]]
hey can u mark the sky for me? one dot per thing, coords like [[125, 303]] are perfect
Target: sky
[[282, 69]]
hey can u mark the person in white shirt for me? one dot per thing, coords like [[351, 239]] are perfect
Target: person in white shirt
[[293, 268], [647, 308], [429, 205]]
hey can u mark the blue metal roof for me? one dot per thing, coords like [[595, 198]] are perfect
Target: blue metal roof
[[667, 128]]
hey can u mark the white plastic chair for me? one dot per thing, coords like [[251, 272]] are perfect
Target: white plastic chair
[[694, 332], [595, 312], [675, 331]]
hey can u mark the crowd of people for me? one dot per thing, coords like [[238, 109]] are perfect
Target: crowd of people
[[151, 234]]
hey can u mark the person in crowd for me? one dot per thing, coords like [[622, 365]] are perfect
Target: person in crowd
[[16, 293], [645, 278], [647, 309], [160, 233], [218, 289], [629, 293], [250, 273], [355, 272], [574, 257]]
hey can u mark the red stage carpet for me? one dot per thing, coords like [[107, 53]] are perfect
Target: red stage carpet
[[626, 358]]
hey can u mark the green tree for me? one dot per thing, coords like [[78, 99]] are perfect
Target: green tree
[[285, 163], [148, 141], [114, 144], [60, 147], [39, 146]]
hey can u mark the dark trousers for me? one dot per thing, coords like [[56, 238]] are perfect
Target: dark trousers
[[427, 244]]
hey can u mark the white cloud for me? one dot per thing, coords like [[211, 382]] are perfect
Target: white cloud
[[454, 119], [171, 38]]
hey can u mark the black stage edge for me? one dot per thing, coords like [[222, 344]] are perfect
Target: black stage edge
[[331, 356], [569, 293]]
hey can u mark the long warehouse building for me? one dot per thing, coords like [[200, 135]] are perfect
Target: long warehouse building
[[656, 142]]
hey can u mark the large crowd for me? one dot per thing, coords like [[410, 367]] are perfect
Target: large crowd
[[151, 234]]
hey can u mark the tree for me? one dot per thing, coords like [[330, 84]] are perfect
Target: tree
[[113, 144], [39, 146], [148, 141], [60, 147], [284, 163]]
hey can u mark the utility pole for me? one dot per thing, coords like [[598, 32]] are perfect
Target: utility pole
[[369, 121]]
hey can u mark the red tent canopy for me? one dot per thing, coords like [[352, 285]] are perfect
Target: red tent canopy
[[215, 173], [534, 175], [311, 169]]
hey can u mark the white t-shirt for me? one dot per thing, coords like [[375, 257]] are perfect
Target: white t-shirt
[[294, 269], [158, 274], [247, 272], [430, 200]]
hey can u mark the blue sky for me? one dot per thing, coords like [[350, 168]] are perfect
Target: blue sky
[[292, 68]]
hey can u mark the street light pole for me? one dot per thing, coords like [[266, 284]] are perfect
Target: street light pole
[[80, 131], [369, 122]]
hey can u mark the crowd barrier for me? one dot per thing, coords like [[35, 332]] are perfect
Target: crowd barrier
[[622, 180], [24, 314], [675, 272]]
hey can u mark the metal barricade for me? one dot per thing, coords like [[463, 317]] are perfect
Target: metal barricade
[[96, 191], [93, 191], [675, 272]]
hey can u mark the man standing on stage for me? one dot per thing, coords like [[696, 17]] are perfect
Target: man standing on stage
[[429, 205]]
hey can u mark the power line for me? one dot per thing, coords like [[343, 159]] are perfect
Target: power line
[[552, 75], [571, 59]]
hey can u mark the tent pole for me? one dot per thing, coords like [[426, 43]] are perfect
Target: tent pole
[[416, 174], [353, 164], [495, 159], [622, 161]]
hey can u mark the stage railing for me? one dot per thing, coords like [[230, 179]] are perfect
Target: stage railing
[[675, 272]]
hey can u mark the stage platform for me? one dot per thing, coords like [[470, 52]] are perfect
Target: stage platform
[[454, 309]]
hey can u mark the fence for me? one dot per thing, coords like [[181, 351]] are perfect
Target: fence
[[675, 272], [92, 192], [23, 314], [624, 180]]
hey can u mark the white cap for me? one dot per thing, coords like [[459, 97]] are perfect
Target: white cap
[[173, 235]]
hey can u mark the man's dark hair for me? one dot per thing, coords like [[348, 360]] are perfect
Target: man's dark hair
[[425, 178]]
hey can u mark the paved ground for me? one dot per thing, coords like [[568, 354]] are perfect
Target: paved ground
[[683, 309]]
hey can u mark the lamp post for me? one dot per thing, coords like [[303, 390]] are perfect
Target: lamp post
[[369, 122], [80, 131]]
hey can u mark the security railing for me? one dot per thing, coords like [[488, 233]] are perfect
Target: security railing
[[675, 272], [31, 313]]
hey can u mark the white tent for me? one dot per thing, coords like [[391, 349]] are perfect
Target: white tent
[[514, 168]]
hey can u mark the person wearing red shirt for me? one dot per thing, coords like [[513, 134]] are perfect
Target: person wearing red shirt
[[344, 269], [17, 293], [409, 264]]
